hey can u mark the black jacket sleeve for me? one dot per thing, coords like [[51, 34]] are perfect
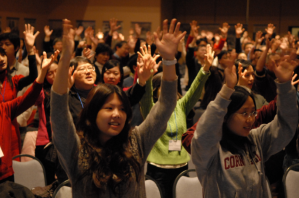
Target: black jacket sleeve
[[135, 93], [27, 80]]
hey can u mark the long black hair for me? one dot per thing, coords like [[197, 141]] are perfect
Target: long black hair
[[230, 141], [112, 164]]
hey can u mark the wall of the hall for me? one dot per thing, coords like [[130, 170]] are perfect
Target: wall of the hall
[[97, 10], [282, 13]]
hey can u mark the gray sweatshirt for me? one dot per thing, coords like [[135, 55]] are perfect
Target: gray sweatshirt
[[142, 139], [223, 174]]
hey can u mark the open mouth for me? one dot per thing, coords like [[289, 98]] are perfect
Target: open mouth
[[114, 124]]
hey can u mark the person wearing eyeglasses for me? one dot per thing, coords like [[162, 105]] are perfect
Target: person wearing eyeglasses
[[228, 154]]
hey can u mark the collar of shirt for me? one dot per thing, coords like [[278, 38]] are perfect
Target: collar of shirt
[[116, 55], [99, 65]]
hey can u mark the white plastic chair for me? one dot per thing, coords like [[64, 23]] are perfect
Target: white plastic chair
[[152, 190], [291, 181], [30, 174], [187, 187], [63, 190]]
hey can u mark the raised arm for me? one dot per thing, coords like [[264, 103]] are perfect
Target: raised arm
[[278, 133], [65, 138], [206, 140], [193, 94], [156, 122], [262, 60], [239, 30], [29, 39], [22, 103]]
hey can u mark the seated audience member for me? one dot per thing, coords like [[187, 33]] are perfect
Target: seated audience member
[[166, 161], [103, 129], [13, 82], [224, 137], [246, 78], [9, 111], [102, 55]]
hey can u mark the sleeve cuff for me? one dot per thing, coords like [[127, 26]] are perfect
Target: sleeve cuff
[[226, 92], [283, 88]]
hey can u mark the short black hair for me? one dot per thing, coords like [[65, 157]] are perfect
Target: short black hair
[[12, 37], [57, 40], [248, 43], [120, 44], [202, 39], [132, 62], [79, 59], [110, 64], [223, 52], [102, 47]]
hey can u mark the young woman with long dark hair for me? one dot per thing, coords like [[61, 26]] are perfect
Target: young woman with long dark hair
[[101, 155], [228, 154]]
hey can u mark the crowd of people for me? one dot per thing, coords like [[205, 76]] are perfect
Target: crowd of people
[[95, 110]]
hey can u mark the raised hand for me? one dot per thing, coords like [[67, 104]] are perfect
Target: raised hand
[[268, 42], [137, 30], [230, 76], [87, 53], [209, 57], [71, 78], [47, 31], [270, 29], [291, 39], [241, 74], [194, 29], [121, 37], [113, 26], [258, 37], [224, 29], [67, 38], [48, 61], [169, 44], [284, 69], [79, 30], [239, 30], [293, 82], [146, 64], [29, 38]]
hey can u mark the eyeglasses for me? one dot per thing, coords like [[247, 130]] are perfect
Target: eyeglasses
[[248, 115], [88, 68]]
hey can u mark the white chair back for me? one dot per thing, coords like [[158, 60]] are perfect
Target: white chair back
[[63, 190], [291, 181], [151, 188], [187, 187], [30, 174]]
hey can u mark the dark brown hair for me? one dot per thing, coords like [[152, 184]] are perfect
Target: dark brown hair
[[109, 165]]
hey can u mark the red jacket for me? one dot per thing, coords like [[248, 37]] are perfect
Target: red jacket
[[8, 112], [265, 115]]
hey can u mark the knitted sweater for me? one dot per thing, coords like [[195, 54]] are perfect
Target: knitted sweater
[[160, 153], [142, 139], [223, 174]]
